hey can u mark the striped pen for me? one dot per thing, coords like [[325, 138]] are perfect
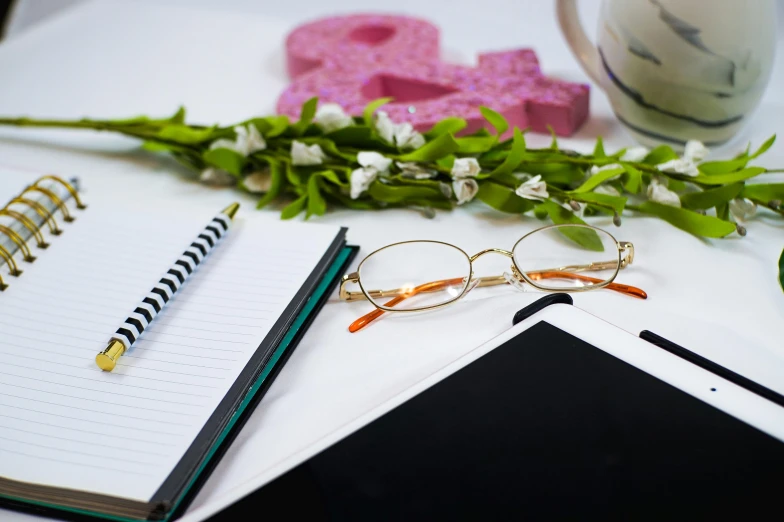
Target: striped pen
[[149, 308]]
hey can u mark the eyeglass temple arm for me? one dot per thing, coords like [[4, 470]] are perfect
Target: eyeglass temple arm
[[435, 286]]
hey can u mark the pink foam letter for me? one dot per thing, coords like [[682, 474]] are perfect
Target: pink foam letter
[[352, 60]]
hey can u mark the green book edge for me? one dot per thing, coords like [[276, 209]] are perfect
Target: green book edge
[[323, 287]]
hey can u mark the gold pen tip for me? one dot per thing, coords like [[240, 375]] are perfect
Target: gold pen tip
[[107, 359], [231, 210]]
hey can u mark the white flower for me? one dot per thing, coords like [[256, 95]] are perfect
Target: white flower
[[374, 160], [401, 134], [534, 189], [682, 166], [695, 151], [302, 154], [412, 170], [361, 180], [661, 194], [595, 170], [407, 138], [635, 154], [258, 182], [248, 140], [608, 190], [216, 177], [331, 117], [385, 127], [373, 165], [465, 168], [465, 190], [742, 208]]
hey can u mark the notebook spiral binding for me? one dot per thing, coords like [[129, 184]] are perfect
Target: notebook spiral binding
[[41, 186]]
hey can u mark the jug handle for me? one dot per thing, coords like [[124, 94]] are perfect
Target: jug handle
[[582, 48]]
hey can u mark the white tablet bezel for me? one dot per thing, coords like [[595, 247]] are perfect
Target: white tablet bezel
[[728, 397], [720, 393]]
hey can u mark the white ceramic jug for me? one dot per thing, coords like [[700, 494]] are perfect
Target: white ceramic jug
[[676, 70]]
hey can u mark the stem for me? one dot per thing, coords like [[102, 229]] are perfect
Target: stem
[[142, 130]]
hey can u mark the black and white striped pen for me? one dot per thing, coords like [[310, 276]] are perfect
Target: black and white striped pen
[[149, 308]]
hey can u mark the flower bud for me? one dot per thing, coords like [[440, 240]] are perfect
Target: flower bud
[[575, 205], [616, 219], [741, 230], [428, 212], [774, 204]]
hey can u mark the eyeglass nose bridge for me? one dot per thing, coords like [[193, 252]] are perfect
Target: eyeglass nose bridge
[[491, 251]]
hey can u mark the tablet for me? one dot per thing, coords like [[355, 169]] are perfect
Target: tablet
[[564, 416]]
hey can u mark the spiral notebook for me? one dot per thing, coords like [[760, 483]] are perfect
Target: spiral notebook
[[135, 443]]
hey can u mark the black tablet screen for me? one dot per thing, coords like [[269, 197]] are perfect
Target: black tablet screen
[[544, 427]]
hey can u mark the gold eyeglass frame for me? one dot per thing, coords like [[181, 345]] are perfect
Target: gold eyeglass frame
[[625, 251]]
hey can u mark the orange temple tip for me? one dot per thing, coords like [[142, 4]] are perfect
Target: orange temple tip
[[365, 320]]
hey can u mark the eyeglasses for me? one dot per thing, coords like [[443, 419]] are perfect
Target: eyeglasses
[[550, 258]]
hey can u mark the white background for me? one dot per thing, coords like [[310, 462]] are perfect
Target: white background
[[224, 61]]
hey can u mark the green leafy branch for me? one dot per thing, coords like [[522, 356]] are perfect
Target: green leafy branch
[[317, 162]]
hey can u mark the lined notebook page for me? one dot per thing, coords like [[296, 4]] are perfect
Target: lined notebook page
[[65, 423]]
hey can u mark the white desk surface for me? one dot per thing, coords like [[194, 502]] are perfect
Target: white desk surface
[[104, 59]]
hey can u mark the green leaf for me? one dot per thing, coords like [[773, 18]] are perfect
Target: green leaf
[[585, 237], [676, 185], [723, 211], [294, 208], [332, 176], [732, 177], [305, 117], [711, 168], [449, 125], [764, 192], [360, 137], [188, 158], [496, 120], [554, 141], [186, 135], [781, 270], [514, 157], [293, 175], [598, 150], [433, 150], [697, 224], [277, 125], [476, 144], [330, 148], [371, 108], [616, 202], [765, 146], [556, 174], [403, 193], [316, 203], [660, 154], [447, 162], [229, 160], [597, 179], [503, 198], [710, 198], [276, 183], [179, 116], [633, 179], [154, 146], [745, 153]]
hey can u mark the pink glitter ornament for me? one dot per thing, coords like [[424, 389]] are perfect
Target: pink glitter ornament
[[351, 60]]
